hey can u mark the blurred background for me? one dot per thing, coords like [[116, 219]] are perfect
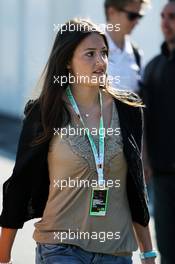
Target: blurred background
[[27, 34]]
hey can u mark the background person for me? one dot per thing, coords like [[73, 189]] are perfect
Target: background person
[[124, 57], [158, 91]]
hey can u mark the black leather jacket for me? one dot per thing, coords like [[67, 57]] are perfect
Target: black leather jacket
[[25, 193]]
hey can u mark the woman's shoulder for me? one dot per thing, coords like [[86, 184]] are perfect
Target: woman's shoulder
[[32, 105]]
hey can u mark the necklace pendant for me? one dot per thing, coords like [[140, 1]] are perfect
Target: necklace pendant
[[86, 115]]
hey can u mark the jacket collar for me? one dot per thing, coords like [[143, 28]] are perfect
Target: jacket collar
[[127, 49], [166, 52]]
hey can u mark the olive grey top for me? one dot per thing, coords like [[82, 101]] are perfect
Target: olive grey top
[[66, 216]]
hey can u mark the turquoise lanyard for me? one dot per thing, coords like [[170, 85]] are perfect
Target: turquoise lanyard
[[99, 159]]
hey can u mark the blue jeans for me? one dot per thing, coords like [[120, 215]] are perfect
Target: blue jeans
[[70, 254]]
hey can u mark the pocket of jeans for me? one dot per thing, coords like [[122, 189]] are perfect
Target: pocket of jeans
[[48, 249]]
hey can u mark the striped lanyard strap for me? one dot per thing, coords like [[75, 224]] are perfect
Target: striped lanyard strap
[[99, 158]]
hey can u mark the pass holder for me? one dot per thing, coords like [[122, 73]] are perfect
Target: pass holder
[[99, 201], [99, 195]]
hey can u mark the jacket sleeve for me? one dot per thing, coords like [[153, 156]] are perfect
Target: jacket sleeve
[[141, 151], [18, 188], [137, 190]]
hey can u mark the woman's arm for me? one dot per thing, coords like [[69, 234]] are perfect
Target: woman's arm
[[7, 237], [144, 241]]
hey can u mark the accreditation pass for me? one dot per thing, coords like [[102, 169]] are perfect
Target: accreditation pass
[[99, 201]]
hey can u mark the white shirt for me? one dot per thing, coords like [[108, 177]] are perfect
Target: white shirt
[[123, 70]]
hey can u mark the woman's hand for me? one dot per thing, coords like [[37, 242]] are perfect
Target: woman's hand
[[4, 253], [144, 241], [7, 237]]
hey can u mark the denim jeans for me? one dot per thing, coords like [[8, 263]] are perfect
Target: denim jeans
[[70, 254]]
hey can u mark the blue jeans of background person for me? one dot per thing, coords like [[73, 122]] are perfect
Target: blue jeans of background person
[[70, 254]]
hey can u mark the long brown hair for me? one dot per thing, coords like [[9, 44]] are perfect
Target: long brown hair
[[52, 107], [53, 110]]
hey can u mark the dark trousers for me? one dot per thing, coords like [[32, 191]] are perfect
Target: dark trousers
[[164, 213]]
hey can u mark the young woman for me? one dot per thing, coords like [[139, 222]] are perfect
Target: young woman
[[78, 162]]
